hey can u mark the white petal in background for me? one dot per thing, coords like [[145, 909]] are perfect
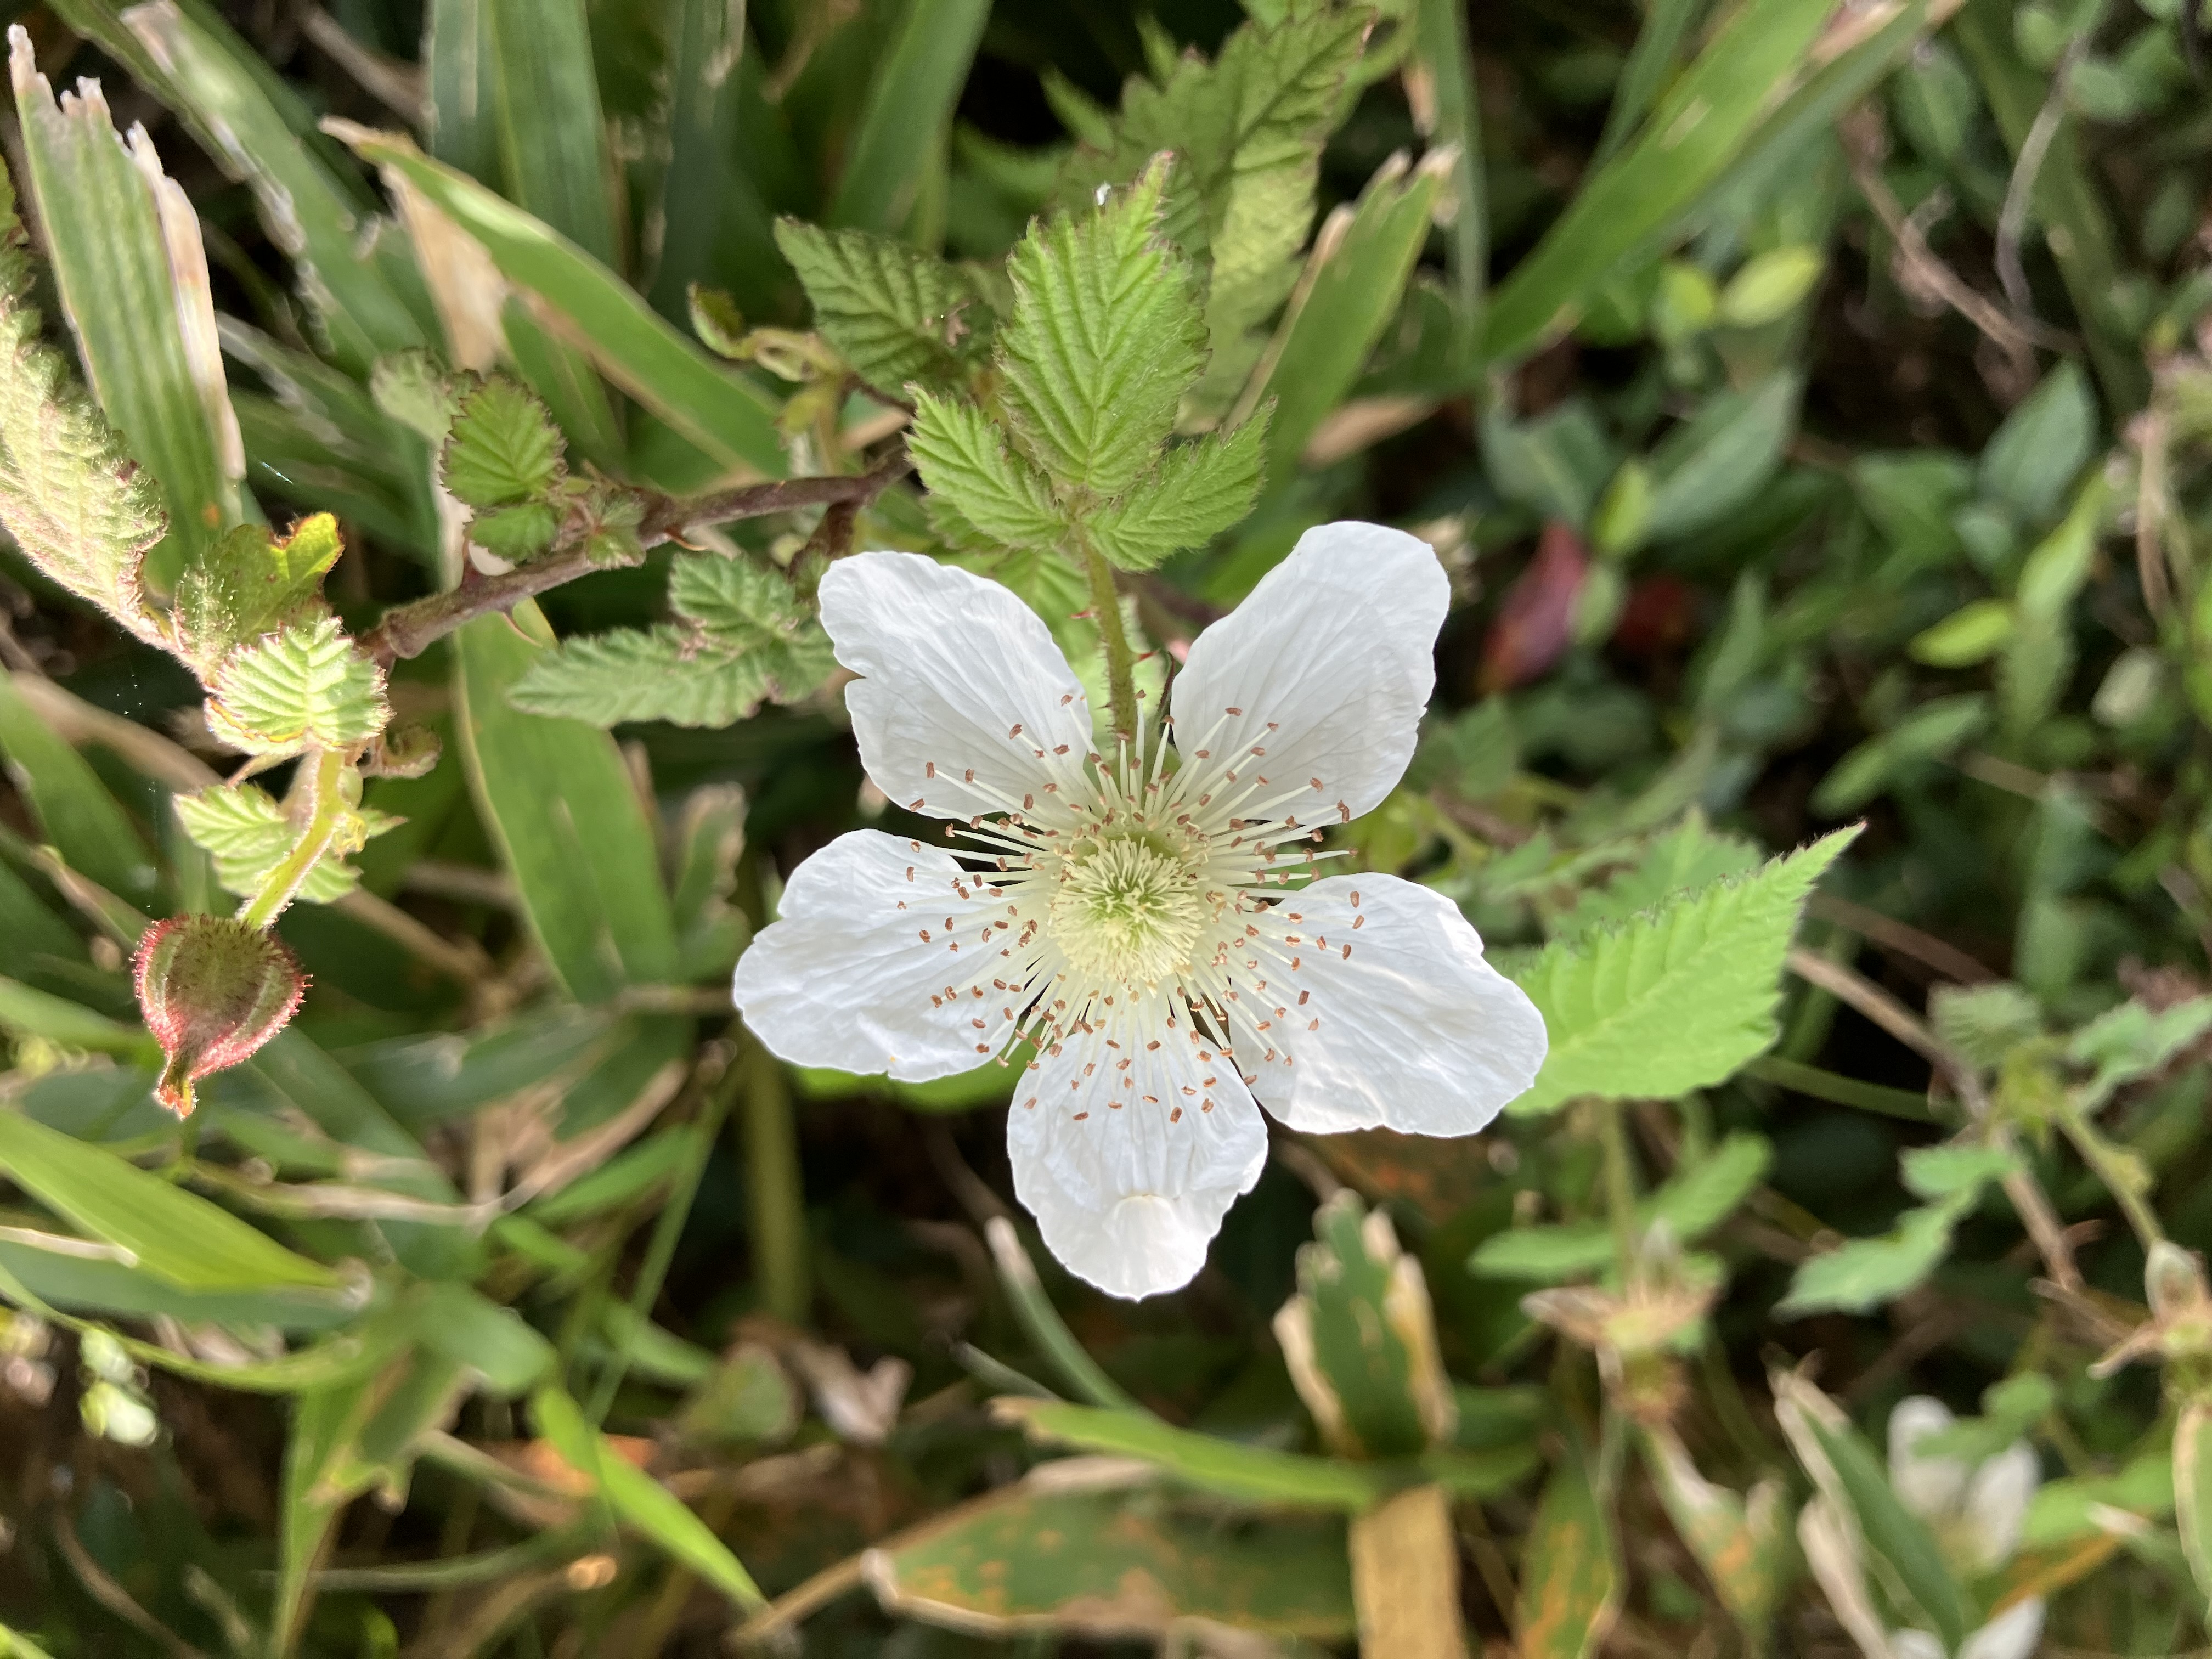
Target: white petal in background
[[2012, 1634], [1997, 1503], [1929, 1486], [1416, 1032], [1331, 660], [855, 974], [1119, 1157], [957, 676]]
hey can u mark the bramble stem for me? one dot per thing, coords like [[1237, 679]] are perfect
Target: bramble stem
[[284, 882], [408, 630], [1120, 661]]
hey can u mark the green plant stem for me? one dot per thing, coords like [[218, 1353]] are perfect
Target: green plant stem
[[1121, 662], [1619, 1183], [1042, 1321], [777, 1194], [2105, 1161], [284, 882], [667, 1228]]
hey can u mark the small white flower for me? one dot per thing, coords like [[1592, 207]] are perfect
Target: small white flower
[[1155, 931], [1976, 1514]]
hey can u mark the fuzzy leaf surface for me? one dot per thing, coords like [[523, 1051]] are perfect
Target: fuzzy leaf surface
[[894, 313], [307, 686]]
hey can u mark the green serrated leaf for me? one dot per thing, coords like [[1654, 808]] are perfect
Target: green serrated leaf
[[1866, 1273], [247, 832], [503, 448], [1689, 856], [1103, 340], [894, 313], [249, 583], [1201, 490], [306, 686], [964, 461], [745, 640], [1676, 999], [517, 533], [1247, 130]]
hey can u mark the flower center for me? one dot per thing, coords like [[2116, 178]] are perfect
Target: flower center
[[1127, 910]]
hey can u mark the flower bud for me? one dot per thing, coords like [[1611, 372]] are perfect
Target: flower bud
[[212, 990]]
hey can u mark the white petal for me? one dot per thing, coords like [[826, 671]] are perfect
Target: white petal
[[1929, 1486], [2012, 1634], [957, 677], [860, 973], [1129, 1168], [1915, 1644], [1997, 1503], [1331, 661], [1402, 1024]]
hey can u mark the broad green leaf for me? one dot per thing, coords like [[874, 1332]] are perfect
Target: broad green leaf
[[1717, 463], [306, 687], [29, 927], [1689, 856], [125, 248], [1248, 1473], [1644, 195], [1676, 999], [905, 113], [26, 1009], [162, 1228], [248, 583], [988, 491], [353, 275], [1103, 339], [1201, 490], [560, 806], [459, 102], [742, 639], [1111, 1564], [84, 1284], [725, 415], [491, 1340], [894, 313], [637, 1499], [1351, 292], [1555, 464], [1934, 730], [545, 106], [75, 813], [1247, 130], [1864, 1273], [718, 226], [1691, 1203], [1961, 1168], [1571, 1579], [247, 832], [2031, 462]]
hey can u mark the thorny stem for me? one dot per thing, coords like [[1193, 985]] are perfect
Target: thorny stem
[[282, 883], [409, 630], [1121, 663]]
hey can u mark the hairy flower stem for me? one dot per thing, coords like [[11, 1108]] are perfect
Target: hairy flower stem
[[284, 882], [1121, 662]]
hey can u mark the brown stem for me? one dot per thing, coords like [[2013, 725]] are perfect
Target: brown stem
[[409, 630]]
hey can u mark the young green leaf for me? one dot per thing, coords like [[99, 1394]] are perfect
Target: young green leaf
[[1691, 1203], [247, 832], [503, 446], [2034, 456], [1103, 340], [1678, 998], [249, 583], [1201, 490], [976, 488], [1865, 1273], [894, 313], [1690, 856], [744, 639], [306, 686]]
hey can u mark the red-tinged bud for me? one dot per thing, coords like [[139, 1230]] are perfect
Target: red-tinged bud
[[212, 991]]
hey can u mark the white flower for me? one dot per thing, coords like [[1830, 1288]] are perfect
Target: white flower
[[1976, 1515], [1155, 931]]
